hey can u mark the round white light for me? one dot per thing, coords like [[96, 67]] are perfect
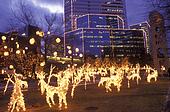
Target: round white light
[[48, 32], [32, 41], [5, 47], [69, 65], [37, 32], [69, 52], [55, 53], [81, 55], [58, 40], [77, 49], [68, 47], [26, 48], [11, 66], [6, 53], [3, 38], [12, 38]]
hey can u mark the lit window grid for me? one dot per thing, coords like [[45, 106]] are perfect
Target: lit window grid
[[90, 45]]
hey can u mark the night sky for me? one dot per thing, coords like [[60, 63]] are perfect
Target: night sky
[[136, 9]]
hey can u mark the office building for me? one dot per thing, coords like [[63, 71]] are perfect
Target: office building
[[96, 36], [146, 30], [76, 8]]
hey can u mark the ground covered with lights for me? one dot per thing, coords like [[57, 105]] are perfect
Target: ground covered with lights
[[145, 97]]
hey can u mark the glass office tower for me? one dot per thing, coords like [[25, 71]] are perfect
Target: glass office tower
[[76, 8], [103, 35], [107, 42]]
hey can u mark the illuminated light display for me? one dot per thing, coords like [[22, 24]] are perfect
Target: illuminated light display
[[134, 74], [60, 90], [17, 98], [18, 52], [72, 77], [152, 74]]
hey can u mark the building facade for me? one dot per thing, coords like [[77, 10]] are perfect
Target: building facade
[[115, 43], [146, 30], [76, 8], [98, 28]]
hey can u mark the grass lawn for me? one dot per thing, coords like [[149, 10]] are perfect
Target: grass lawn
[[139, 98]]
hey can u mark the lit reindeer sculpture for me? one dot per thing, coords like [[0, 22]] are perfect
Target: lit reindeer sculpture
[[78, 78], [17, 99], [116, 80], [134, 74], [60, 90], [152, 75]]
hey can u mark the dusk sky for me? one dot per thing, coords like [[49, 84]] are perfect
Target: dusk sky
[[136, 9]]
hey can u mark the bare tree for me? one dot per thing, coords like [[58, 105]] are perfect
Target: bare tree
[[24, 15], [164, 7], [53, 24]]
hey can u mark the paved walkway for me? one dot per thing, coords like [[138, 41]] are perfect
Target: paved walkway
[[166, 107]]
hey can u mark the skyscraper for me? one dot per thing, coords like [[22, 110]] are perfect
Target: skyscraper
[[76, 8], [98, 28]]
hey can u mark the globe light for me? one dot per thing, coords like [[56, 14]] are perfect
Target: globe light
[[55, 54], [40, 33], [81, 55], [26, 48], [69, 52], [12, 38], [32, 41], [69, 65], [11, 66], [68, 47], [6, 53], [3, 38], [48, 32], [18, 52], [58, 40], [5, 47], [37, 33], [77, 49]]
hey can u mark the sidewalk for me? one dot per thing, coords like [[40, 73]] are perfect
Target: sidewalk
[[166, 107]]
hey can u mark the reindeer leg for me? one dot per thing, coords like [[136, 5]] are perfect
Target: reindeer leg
[[48, 101], [60, 103], [65, 102]]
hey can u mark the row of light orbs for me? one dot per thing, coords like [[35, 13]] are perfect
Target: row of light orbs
[[31, 41]]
